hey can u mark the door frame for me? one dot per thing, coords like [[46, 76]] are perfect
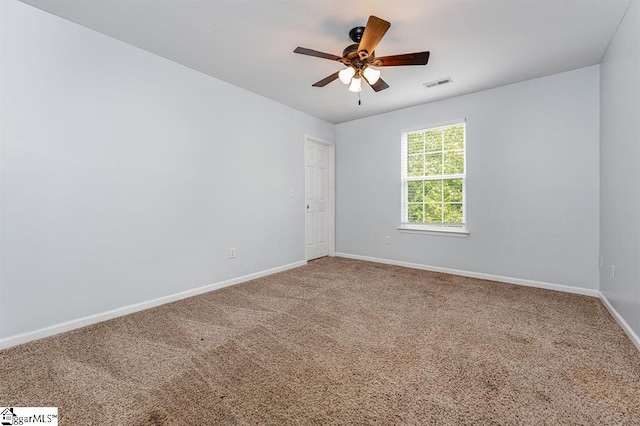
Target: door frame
[[331, 208]]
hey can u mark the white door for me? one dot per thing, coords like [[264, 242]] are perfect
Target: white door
[[318, 199]]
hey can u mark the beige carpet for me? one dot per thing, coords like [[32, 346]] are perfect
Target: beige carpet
[[340, 342]]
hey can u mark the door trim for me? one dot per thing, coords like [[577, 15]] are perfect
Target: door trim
[[331, 209]]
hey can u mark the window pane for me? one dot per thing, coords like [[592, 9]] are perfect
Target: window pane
[[433, 140], [454, 137], [453, 163], [415, 166], [414, 191], [433, 191], [452, 190], [433, 213], [415, 212], [433, 156], [415, 143], [453, 213], [433, 164]]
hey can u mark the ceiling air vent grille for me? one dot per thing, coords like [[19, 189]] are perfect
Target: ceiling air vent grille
[[436, 83]]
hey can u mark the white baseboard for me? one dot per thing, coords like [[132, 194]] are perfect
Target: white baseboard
[[621, 322], [19, 339], [479, 275]]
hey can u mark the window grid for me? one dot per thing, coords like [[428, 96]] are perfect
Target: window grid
[[441, 148]]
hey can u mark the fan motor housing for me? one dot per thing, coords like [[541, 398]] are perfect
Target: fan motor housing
[[351, 49], [351, 56]]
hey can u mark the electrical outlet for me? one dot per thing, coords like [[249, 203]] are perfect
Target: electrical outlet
[[387, 240], [232, 253], [613, 272]]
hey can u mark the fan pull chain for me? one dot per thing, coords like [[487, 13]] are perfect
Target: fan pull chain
[[359, 101]]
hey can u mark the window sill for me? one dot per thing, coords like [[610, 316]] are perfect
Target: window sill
[[447, 232]]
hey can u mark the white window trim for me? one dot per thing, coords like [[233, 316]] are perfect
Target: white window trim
[[448, 231], [460, 231]]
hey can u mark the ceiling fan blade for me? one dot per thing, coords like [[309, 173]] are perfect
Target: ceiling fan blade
[[311, 52], [326, 80], [379, 85], [374, 31], [418, 58]]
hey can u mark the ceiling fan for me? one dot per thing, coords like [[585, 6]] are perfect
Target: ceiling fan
[[360, 58]]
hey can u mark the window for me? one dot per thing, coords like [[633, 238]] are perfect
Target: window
[[433, 179]]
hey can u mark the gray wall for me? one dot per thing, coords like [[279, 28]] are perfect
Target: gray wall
[[532, 182], [126, 177], [620, 169]]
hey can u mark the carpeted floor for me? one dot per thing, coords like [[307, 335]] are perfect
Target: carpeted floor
[[340, 342]]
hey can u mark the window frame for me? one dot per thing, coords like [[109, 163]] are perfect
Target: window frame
[[457, 230]]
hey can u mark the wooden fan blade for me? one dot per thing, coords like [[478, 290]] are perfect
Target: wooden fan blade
[[374, 31], [380, 85], [326, 80], [311, 52], [419, 58]]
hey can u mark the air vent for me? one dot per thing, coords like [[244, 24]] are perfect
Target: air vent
[[435, 83]]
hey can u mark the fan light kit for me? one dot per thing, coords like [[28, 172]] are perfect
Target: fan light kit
[[350, 75], [360, 58]]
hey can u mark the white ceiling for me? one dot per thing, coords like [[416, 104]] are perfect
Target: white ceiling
[[480, 44]]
